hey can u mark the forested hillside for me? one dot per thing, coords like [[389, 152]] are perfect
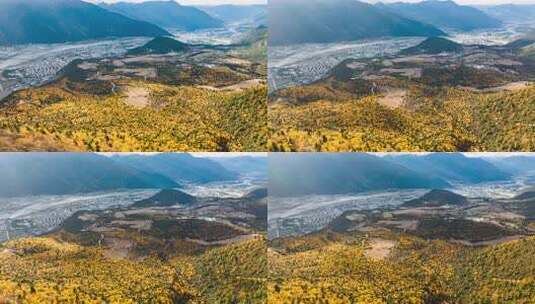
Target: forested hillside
[[176, 119], [454, 120], [45, 270], [344, 269]]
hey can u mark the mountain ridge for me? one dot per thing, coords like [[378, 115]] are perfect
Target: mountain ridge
[[60, 21], [71, 173], [321, 21], [179, 166], [167, 14], [510, 12], [231, 13], [341, 173], [454, 167], [444, 14]]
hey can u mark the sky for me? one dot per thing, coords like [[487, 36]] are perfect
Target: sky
[[472, 2], [194, 2]]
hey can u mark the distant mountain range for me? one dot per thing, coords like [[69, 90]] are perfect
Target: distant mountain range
[[178, 167], [510, 12], [324, 173], [167, 14], [305, 174], [306, 21], [57, 21], [229, 13], [70, 173], [444, 14], [244, 165], [515, 165], [453, 167]]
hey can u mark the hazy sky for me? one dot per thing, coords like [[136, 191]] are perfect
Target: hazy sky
[[194, 2], [474, 2]]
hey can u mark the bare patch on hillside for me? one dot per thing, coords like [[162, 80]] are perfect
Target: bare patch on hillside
[[137, 97], [393, 98], [379, 249]]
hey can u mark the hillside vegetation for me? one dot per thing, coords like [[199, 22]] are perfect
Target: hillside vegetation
[[341, 269], [451, 119], [45, 270], [142, 116]]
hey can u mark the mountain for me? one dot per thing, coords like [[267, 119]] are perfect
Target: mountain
[[437, 198], [525, 203], [256, 36], [68, 173], [434, 45], [510, 12], [528, 193], [444, 14], [521, 43], [167, 14], [324, 173], [160, 45], [261, 19], [237, 13], [244, 165], [57, 21], [253, 45], [454, 167], [178, 167], [516, 165], [307, 21], [166, 198], [257, 194]]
